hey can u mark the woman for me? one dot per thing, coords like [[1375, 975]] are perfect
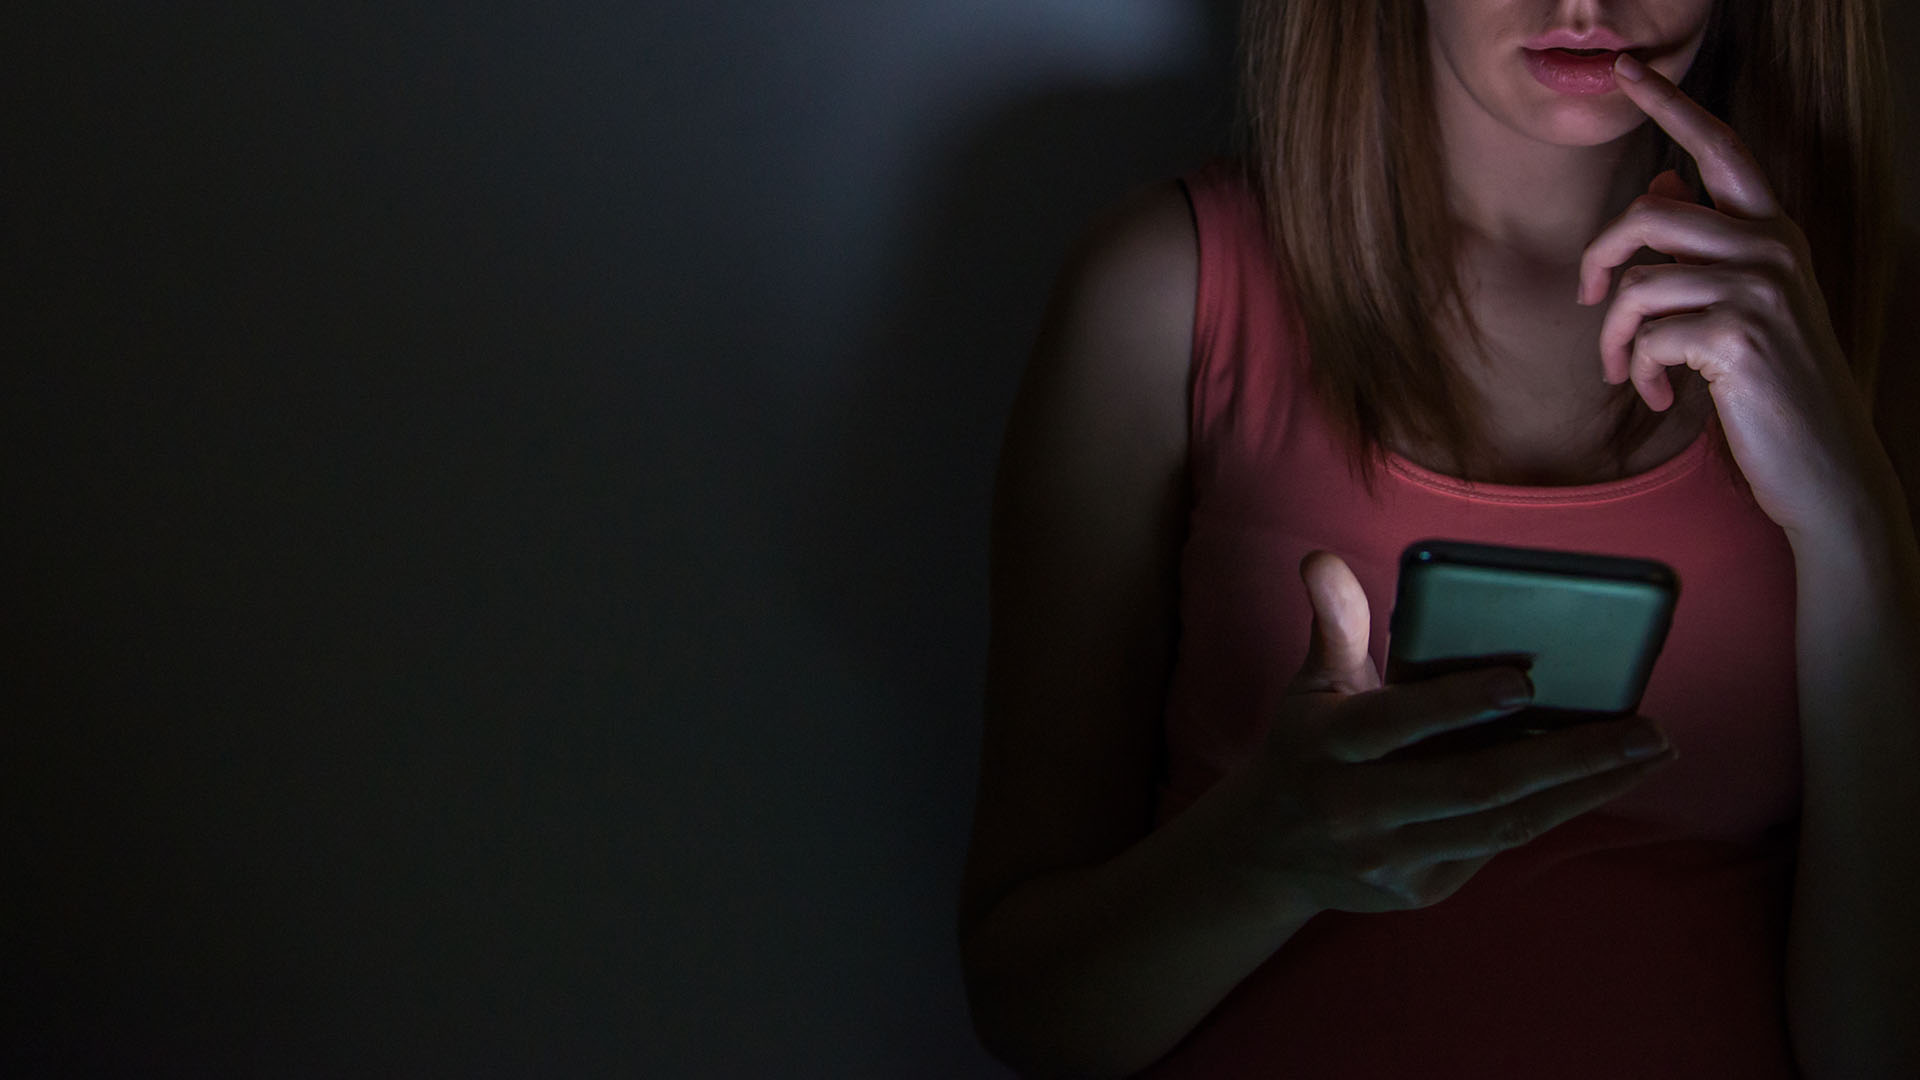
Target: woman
[[1190, 858]]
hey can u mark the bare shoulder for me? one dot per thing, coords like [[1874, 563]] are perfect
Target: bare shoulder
[[1125, 297], [1144, 242], [1099, 428], [1103, 404]]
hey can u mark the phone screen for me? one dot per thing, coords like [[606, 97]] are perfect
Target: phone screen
[[1586, 628]]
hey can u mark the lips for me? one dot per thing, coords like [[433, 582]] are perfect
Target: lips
[[1580, 73]]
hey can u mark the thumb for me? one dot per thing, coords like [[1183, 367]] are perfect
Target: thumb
[[1337, 657], [1668, 185]]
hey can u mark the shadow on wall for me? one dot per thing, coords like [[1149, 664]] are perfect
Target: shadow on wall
[[894, 548]]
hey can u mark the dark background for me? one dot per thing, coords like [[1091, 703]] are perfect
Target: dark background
[[495, 515]]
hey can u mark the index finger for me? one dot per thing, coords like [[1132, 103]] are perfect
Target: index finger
[[1495, 776], [1727, 168]]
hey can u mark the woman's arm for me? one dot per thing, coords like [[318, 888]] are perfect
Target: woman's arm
[[1088, 949], [1853, 982]]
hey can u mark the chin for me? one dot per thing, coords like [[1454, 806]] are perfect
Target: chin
[[1583, 123]]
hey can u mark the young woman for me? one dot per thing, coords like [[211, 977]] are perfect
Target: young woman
[[1590, 275]]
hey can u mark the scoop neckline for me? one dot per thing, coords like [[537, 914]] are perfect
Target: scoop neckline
[[1664, 473]]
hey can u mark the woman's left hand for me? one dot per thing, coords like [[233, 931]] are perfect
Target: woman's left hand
[[1741, 307]]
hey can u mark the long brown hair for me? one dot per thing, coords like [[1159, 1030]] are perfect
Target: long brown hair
[[1339, 139]]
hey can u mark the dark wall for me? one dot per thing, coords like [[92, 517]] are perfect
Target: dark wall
[[496, 502], [495, 511]]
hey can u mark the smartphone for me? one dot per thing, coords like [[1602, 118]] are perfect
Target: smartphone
[[1586, 628]]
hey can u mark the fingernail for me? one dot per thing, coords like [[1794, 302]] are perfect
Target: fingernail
[[1643, 742], [1509, 688], [1629, 68]]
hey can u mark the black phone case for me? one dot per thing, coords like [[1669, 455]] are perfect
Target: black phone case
[[1587, 628]]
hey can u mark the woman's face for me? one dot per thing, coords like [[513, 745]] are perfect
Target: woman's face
[[1498, 52]]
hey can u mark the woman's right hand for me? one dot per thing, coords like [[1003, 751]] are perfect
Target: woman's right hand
[[1325, 817]]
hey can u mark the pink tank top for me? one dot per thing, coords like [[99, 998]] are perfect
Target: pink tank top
[[1645, 939]]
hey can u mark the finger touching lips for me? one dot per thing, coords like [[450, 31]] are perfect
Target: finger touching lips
[[1727, 168]]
